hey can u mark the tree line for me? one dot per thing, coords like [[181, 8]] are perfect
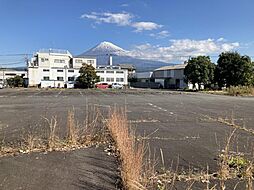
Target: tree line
[[232, 69]]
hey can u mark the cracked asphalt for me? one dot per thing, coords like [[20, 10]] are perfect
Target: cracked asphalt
[[175, 123]]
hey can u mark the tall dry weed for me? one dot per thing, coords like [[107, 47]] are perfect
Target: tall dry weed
[[72, 129], [131, 151], [52, 136]]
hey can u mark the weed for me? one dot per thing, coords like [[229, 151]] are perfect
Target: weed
[[72, 129], [52, 137], [131, 152], [240, 90]]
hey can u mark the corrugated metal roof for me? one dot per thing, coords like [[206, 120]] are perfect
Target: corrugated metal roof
[[180, 66]]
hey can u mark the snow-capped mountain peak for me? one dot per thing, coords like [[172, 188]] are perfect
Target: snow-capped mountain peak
[[106, 48], [120, 56]]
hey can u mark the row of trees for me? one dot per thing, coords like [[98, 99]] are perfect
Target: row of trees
[[231, 69], [16, 81]]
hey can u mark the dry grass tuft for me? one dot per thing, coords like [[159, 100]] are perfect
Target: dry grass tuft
[[88, 133], [131, 152], [31, 142], [93, 128], [72, 129], [240, 90], [224, 171], [53, 139], [249, 176]]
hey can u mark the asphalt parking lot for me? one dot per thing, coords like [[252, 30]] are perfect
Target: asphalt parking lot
[[174, 122]]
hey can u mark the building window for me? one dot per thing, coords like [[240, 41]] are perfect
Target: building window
[[99, 71], [59, 61], [45, 70], [44, 59], [60, 78], [119, 79], [90, 61], [45, 78], [118, 72], [70, 78], [10, 74], [109, 71], [71, 71], [102, 79], [78, 61], [110, 79], [59, 70]]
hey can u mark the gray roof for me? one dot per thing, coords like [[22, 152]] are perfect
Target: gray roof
[[174, 67], [58, 51], [127, 66], [85, 56]]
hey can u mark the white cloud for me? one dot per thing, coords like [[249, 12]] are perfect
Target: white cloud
[[160, 35], [221, 40], [141, 26], [121, 19], [181, 49]]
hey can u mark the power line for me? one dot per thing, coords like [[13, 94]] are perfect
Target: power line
[[17, 54], [14, 63]]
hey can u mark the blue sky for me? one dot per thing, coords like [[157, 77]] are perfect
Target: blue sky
[[161, 29]]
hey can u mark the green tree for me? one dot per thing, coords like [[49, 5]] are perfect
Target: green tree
[[87, 77], [233, 70], [200, 70], [16, 81]]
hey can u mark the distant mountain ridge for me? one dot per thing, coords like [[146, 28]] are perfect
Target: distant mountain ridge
[[121, 56]]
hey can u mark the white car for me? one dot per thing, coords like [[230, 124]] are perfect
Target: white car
[[1, 86], [117, 86]]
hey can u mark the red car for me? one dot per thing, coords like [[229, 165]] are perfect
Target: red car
[[102, 85]]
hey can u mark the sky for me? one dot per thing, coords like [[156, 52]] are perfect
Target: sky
[[166, 30]]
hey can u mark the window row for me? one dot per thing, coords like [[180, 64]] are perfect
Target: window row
[[63, 61], [117, 72], [58, 70], [102, 79], [59, 61], [82, 61], [60, 78]]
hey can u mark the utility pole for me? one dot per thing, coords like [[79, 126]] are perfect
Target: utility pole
[[3, 78], [27, 66]]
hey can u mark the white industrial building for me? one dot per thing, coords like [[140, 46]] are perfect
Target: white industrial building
[[55, 68], [112, 74], [6, 73]]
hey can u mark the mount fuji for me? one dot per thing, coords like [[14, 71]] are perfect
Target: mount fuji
[[121, 56]]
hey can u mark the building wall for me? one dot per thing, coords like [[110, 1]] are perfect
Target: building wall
[[179, 73], [112, 75], [161, 81], [79, 61], [172, 78], [48, 69], [9, 73]]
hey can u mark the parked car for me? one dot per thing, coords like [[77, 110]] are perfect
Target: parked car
[[117, 86], [102, 85], [1, 86]]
